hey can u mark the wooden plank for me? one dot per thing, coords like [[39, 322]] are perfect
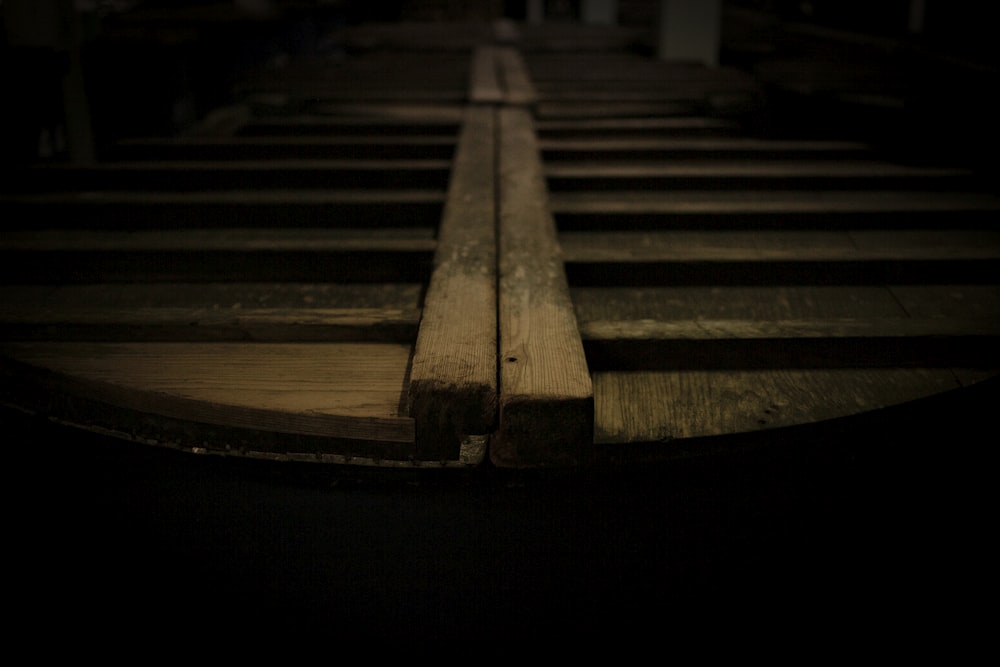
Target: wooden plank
[[484, 82], [700, 149], [745, 209], [327, 125], [546, 396], [87, 323], [594, 175], [383, 147], [453, 380], [667, 408], [518, 86], [329, 390], [227, 208], [204, 175]]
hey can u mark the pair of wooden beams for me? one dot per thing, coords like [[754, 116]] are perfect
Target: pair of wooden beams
[[499, 295]]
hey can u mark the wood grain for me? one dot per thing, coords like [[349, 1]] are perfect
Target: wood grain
[[335, 390], [453, 380], [546, 396]]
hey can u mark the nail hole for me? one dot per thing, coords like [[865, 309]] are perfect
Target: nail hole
[[511, 359]]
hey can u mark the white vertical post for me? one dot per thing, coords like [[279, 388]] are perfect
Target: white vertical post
[[690, 30], [599, 12]]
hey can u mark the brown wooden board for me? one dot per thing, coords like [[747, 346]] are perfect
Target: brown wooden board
[[453, 380], [546, 396]]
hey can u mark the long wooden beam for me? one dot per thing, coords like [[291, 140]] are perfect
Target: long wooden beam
[[453, 378], [546, 395]]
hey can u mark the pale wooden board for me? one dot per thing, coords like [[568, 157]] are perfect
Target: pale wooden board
[[645, 406], [546, 396], [336, 390], [765, 246], [453, 382], [702, 149]]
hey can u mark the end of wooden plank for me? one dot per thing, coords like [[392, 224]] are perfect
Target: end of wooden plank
[[447, 415], [535, 432]]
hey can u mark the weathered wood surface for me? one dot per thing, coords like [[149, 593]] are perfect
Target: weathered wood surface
[[342, 391], [724, 286], [575, 257], [254, 288], [546, 395], [453, 380]]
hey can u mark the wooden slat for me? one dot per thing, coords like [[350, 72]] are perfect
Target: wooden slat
[[785, 175], [546, 396], [672, 410], [385, 147], [328, 125], [747, 209], [453, 392], [227, 208], [332, 390], [205, 175], [697, 149]]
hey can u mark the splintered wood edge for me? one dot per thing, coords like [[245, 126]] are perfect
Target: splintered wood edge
[[453, 378], [546, 394]]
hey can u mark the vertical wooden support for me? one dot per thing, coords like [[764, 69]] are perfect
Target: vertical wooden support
[[690, 30], [546, 395], [453, 379]]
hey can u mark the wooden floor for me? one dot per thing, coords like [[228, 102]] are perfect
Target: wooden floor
[[484, 250]]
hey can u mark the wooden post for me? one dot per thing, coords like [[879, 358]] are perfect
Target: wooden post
[[599, 12], [690, 30]]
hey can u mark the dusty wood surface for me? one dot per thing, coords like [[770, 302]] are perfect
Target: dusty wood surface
[[546, 396], [485, 86], [453, 380]]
